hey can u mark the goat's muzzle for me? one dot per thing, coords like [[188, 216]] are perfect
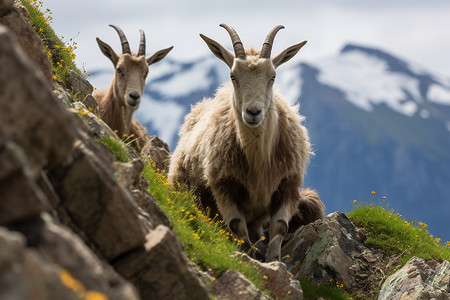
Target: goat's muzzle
[[133, 99], [253, 116]]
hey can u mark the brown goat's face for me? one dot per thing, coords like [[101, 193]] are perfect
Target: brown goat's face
[[252, 80], [130, 74], [130, 69]]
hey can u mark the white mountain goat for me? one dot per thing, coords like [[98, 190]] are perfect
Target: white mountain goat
[[122, 99], [246, 151]]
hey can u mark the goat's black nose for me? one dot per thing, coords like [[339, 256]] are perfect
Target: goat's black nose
[[134, 95], [253, 111]]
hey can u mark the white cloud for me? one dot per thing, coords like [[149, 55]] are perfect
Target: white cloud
[[413, 29]]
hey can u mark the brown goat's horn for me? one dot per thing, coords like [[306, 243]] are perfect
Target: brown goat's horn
[[267, 46], [237, 44], [123, 40], [142, 43]]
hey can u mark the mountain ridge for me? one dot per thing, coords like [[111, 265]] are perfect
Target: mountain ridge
[[374, 122]]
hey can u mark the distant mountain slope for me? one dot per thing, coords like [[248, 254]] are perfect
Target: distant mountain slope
[[377, 123]]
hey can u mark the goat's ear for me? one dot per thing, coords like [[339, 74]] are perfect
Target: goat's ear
[[287, 54], [108, 51], [158, 56], [219, 51]]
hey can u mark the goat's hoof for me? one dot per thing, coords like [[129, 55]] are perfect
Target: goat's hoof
[[272, 255]]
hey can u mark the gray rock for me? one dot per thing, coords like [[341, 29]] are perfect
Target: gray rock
[[79, 84], [54, 242], [148, 204], [98, 128], [31, 116], [97, 204], [5, 7], [128, 174], [332, 251], [91, 104], [160, 271], [26, 37], [158, 151], [232, 285], [83, 91], [277, 279], [25, 275], [418, 279], [324, 250], [64, 97], [21, 196]]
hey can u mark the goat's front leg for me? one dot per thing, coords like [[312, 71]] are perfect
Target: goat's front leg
[[227, 193], [236, 223], [284, 203], [278, 228]]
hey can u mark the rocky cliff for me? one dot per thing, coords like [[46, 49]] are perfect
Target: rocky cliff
[[77, 224]]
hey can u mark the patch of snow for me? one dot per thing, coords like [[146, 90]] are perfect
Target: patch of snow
[[367, 81], [424, 114], [186, 81], [409, 108], [164, 117], [290, 84], [447, 125], [163, 68], [439, 94]]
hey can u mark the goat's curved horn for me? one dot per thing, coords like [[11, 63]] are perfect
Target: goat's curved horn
[[237, 44], [142, 43], [267, 46], [123, 40]]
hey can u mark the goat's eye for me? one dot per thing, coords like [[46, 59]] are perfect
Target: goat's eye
[[119, 71], [273, 78], [232, 77]]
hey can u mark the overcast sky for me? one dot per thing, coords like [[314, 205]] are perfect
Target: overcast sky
[[416, 30]]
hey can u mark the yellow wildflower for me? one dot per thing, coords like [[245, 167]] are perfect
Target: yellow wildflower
[[93, 295]]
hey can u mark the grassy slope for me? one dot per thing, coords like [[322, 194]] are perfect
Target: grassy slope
[[60, 54], [117, 148], [206, 240], [394, 235]]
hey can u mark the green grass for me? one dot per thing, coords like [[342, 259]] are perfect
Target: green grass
[[312, 292], [60, 55], [206, 240], [116, 147], [394, 235]]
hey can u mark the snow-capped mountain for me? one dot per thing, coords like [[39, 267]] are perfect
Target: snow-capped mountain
[[377, 123]]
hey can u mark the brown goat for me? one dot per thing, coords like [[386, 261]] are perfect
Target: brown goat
[[124, 95], [247, 150]]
